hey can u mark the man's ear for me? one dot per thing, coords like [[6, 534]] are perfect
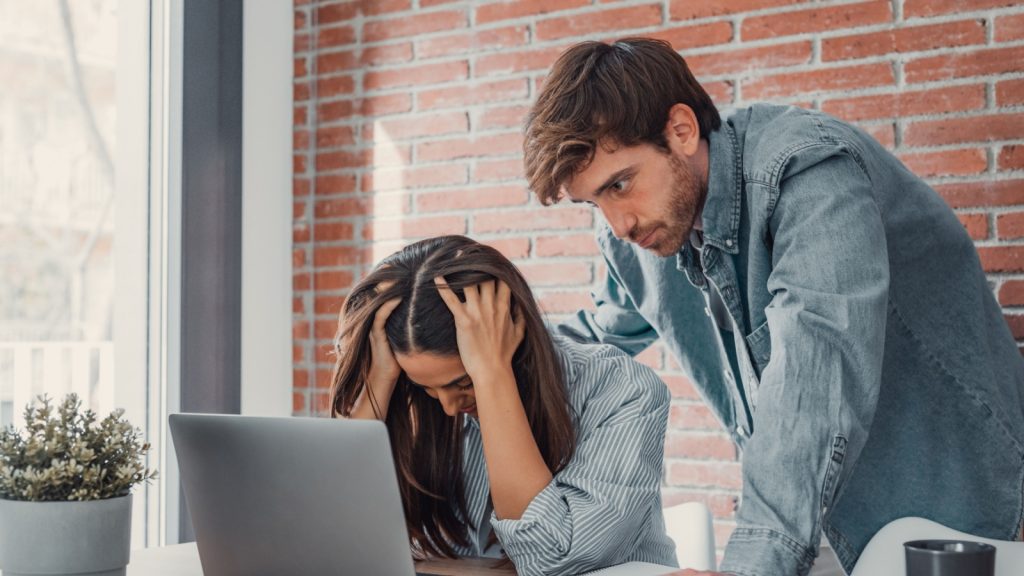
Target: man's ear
[[682, 131]]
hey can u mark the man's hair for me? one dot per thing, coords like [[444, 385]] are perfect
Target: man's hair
[[616, 94]]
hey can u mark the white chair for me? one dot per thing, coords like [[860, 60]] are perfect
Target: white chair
[[884, 554], [689, 525]]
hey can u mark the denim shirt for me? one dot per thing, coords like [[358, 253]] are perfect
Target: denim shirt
[[866, 373]]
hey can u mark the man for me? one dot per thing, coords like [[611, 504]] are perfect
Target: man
[[827, 304]]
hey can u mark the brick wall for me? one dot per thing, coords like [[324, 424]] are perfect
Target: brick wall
[[408, 115]]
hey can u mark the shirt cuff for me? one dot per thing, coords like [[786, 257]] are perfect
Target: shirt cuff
[[765, 552], [517, 534]]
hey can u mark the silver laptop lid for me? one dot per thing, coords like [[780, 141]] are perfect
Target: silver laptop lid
[[291, 495]]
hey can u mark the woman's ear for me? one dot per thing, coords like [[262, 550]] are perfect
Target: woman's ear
[[682, 131]]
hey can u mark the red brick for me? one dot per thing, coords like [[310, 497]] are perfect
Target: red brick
[[699, 446], [971, 129], [903, 104], [1010, 92], [1011, 158], [507, 9], [338, 160], [720, 92], [550, 218], [498, 170], [332, 13], [1002, 258], [564, 302], [1011, 293], [692, 417], [563, 245], [298, 403], [1009, 27], [300, 115], [695, 35], [300, 91], [750, 59], [511, 248], [653, 356], [501, 117], [828, 79], [474, 93], [975, 224], [335, 86], [300, 68], [900, 40], [300, 187], [364, 57], [472, 199], [411, 177], [324, 330], [816, 20], [327, 184], [300, 330], [945, 162], [918, 8], [689, 9], [885, 133], [407, 127], [416, 75], [327, 37], [608, 20], [333, 231], [490, 145], [412, 25], [680, 386], [301, 19], [377, 204], [380, 105], [556, 274], [299, 164], [301, 281], [334, 279], [965, 64], [414, 227], [335, 256], [300, 233], [472, 42], [302, 43], [509, 62], [300, 378], [1010, 225], [982, 194], [327, 304], [1016, 324], [300, 140], [721, 475], [334, 136], [298, 257]]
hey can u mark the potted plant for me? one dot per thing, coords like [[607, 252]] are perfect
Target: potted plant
[[65, 483]]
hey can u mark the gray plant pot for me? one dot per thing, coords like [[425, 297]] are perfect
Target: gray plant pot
[[92, 537]]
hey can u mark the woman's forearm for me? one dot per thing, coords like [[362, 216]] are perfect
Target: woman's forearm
[[515, 467], [363, 409]]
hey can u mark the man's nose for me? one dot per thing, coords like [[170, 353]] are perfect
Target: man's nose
[[621, 222]]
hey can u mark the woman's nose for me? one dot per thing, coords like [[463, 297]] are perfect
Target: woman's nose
[[451, 401]]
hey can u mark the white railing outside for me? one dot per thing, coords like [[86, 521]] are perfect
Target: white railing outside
[[28, 369]]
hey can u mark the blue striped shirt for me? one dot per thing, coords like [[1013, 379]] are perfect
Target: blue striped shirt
[[604, 507]]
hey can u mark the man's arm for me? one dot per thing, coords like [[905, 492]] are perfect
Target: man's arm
[[817, 395], [615, 321]]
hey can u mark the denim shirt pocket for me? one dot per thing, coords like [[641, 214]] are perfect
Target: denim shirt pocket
[[760, 344]]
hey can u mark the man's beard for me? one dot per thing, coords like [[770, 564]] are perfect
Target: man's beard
[[687, 196]]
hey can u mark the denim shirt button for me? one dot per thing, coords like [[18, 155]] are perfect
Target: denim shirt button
[[728, 243], [741, 431], [707, 311]]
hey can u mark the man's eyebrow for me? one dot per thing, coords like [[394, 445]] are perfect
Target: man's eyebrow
[[452, 383], [615, 177]]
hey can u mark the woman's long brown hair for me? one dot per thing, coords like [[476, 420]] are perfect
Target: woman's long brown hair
[[425, 442]]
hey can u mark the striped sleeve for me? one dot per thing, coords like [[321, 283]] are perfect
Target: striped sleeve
[[594, 511]]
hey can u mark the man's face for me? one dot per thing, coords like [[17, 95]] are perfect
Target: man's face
[[648, 196]]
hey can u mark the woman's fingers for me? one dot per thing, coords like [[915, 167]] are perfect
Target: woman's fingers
[[383, 313], [448, 295]]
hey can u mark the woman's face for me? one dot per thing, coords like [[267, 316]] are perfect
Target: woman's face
[[443, 378]]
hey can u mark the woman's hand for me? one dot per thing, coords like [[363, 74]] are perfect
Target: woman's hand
[[486, 333], [384, 369]]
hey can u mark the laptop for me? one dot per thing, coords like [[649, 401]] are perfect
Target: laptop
[[291, 495]]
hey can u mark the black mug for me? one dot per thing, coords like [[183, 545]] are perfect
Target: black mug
[[949, 558]]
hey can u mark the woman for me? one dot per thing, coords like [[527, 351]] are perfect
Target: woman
[[502, 434]]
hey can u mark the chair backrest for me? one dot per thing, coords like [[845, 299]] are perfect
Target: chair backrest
[[689, 525], [884, 554]]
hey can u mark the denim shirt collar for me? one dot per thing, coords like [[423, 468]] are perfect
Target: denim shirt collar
[[721, 213]]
